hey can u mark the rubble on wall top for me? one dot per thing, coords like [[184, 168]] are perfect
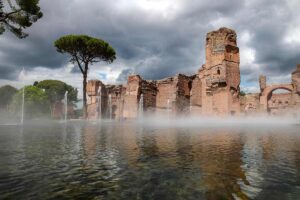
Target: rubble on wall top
[[222, 30], [165, 80]]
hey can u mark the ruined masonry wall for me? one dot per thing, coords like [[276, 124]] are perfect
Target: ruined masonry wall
[[214, 90]]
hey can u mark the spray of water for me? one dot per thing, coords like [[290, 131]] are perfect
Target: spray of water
[[23, 100], [23, 106], [141, 107], [66, 105], [110, 107], [168, 109], [202, 121], [99, 102]]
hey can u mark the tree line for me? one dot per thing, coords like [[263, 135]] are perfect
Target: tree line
[[40, 98]]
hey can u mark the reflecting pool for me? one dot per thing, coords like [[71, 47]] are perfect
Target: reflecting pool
[[127, 160]]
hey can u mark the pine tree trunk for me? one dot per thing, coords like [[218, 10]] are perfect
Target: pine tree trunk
[[84, 96]]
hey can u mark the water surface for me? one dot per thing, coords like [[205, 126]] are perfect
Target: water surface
[[126, 160]]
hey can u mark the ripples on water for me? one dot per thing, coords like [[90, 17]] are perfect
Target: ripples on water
[[130, 161]]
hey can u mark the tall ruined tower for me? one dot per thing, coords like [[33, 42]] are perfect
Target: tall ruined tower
[[220, 76]]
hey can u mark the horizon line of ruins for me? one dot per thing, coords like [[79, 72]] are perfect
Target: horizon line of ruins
[[213, 91]]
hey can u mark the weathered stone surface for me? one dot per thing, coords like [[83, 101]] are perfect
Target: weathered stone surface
[[58, 110], [296, 87], [131, 97], [92, 87], [196, 96], [250, 103], [268, 92], [220, 76], [220, 46], [149, 91], [97, 99], [183, 89], [173, 95], [107, 102], [115, 101], [296, 79], [275, 103], [262, 82], [279, 103]]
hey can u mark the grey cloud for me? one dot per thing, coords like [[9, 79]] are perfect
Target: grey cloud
[[153, 46], [268, 24], [8, 72], [123, 75], [37, 53]]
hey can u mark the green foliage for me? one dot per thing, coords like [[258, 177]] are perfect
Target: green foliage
[[20, 15], [36, 102], [85, 49], [35, 83], [40, 97], [242, 93], [6, 94], [56, 90]]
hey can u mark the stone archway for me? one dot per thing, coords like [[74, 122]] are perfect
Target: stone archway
[[267, 92]]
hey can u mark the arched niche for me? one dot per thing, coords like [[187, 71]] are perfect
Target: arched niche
[[278, 99]]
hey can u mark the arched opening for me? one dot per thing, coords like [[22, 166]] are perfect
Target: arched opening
[[114, 111], [278, 100], [218, 72], [190, 84]]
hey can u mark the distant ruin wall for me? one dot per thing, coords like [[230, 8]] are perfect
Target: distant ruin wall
[[214, 90], [104, 101], [149, 92], [250, 103], [173, 95], [131, 97]]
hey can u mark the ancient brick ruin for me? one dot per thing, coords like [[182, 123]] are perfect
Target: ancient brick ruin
[[268, 101], [214, 90]]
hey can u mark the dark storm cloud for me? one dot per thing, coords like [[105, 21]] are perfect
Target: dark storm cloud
[[268, 22], [8, 72], [32, 52], [155, 45]]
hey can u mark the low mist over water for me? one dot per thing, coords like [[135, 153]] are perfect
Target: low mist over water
[[214, 159]]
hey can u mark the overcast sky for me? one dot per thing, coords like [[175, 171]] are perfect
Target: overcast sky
[[156, 39]]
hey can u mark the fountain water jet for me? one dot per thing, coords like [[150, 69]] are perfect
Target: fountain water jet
[[119, 108], [141, 106], [66, 105], [23, 106], [99, 106], [190, 108], [23, 98], [110, 106], [168, 108]]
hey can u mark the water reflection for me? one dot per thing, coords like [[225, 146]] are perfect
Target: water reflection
[[221, 165], [129, 161]]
